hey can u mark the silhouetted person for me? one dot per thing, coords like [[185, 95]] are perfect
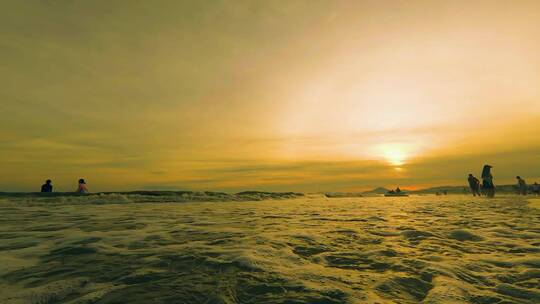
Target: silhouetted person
[[398, 190], [487, 181], [47, 187], [82, 186], [536, 188], [522, 185], [474, 183]]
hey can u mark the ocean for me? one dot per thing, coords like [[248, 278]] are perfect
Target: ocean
[[122, 248]]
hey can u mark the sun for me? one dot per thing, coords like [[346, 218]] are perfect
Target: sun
[[394, 154], [395, 157]]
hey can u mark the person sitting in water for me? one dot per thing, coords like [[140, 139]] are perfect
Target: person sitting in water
[[47, 187], [487, 181], [82, 187], [474, 183], [522, 185]]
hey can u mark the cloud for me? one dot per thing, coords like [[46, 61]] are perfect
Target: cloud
[[265, 95]]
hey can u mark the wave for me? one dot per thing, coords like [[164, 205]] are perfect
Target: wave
[[145, 196]]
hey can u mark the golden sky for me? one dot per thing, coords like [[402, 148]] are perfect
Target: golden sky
[[269, 95]]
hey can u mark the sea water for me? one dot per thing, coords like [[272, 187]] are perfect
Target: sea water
[[418, 249]]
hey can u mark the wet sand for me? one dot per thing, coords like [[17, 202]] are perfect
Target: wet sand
[[314, 249]]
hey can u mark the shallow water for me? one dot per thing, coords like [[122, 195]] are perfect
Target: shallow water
[[311, 250]]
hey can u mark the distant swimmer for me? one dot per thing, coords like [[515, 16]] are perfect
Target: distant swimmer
[[82, 186], [47, 187], [522, 185], [487, 181], [474, 183]]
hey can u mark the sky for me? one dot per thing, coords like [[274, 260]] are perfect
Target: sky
[[267, 95]]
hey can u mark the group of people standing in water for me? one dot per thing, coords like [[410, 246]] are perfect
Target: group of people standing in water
[[48, 187], [487, 187]]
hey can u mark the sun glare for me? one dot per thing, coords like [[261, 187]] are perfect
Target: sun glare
[[395, 155]]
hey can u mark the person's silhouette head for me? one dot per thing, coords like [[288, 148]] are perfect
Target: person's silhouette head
[[48, 181], [470, 175], [81, 181], [486, 171], [518, 177]]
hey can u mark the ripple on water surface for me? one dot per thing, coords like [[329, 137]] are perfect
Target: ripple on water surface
[[308, 250]]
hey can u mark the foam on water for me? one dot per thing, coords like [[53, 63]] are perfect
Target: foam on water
[[313, 249]]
